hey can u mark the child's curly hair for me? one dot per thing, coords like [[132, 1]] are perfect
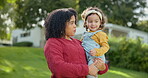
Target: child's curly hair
[[85, 14]]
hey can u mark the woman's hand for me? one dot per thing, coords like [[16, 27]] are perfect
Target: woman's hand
[[92, 69], [100, 64]]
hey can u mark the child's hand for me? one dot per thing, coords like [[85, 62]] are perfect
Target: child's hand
[[93, 52]]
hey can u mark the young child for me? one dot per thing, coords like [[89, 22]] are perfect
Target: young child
[[95, 41]]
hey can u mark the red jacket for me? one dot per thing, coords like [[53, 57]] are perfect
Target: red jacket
[[66, 58]]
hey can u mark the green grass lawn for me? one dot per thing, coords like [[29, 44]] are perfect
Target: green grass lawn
[[25, 62], [115, 72]]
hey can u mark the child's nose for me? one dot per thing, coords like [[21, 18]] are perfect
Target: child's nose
[[93, 23]]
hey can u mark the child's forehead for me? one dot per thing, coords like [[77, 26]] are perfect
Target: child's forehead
[[93, 15]]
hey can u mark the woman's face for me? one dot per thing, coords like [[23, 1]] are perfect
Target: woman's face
[[93, 22], [70, 27]]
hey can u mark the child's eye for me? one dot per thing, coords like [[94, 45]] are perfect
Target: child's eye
[[96, 21], [90, 21]]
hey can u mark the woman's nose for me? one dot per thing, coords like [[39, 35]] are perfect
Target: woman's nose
[[75, 26]]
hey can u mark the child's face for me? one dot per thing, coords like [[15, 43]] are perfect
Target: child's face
[[93, 22], [70, 27]]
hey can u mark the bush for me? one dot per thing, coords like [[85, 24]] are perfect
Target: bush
[[131, 54], [22, 44]]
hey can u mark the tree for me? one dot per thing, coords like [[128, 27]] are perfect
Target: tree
[[29, 13], [5, 15], [120, 12]]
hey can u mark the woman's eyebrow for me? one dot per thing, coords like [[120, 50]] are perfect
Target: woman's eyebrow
[[71, 21]]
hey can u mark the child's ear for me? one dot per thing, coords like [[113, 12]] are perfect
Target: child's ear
[[85, 25], [101, 22]]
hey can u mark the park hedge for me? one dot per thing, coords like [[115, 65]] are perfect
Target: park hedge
[[128, 53], [23, 44]]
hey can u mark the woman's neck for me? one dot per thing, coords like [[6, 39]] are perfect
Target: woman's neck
[[67, 37]]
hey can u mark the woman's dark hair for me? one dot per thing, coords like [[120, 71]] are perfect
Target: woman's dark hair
[[55, 22]]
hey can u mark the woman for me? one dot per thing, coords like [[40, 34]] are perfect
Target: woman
[[65, 55]]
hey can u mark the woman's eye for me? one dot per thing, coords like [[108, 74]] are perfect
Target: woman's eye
[[72, 23]]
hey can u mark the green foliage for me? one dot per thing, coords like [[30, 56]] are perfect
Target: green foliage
[[31, 12], [128, 53], [118, 11], [6, 13], [143, 25], [3, 34], [27, 14], [22, 44], [2, 3], [3, 27]]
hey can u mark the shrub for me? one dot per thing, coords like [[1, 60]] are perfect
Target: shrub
[[21, 44], [128, 53]]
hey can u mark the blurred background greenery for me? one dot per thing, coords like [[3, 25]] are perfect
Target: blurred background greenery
[[128, 58], [27, 14]]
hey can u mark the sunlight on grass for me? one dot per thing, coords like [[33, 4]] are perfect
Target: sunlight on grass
[[6, 66], [119, 73], [24, 62], [28, 68]]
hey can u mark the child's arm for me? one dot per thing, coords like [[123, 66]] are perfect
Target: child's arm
[[102, 39]]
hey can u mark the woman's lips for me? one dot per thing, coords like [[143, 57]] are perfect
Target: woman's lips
[[75, 30]]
